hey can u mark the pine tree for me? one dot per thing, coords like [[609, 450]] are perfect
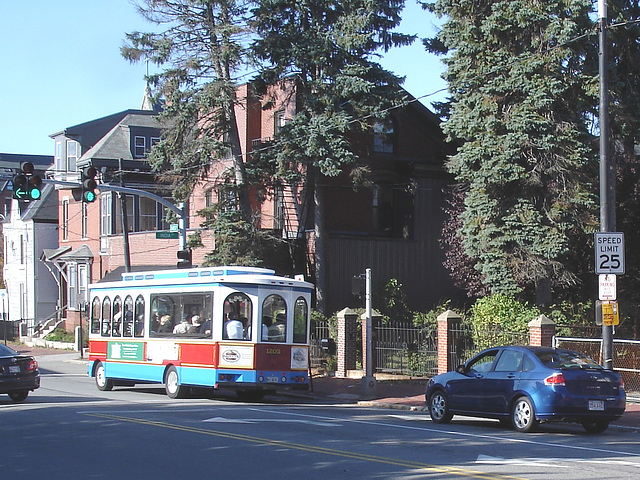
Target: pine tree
[[521, 97], [201, 51], [327, 50]]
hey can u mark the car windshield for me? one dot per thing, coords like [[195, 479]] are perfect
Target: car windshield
[[6, 351], [566, 359]]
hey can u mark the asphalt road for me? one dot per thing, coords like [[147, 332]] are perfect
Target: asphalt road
[[69, 430]]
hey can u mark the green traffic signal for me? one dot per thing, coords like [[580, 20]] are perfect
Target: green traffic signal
[[27, 185], [89, 184]]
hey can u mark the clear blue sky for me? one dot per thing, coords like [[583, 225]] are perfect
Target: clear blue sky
[[61, 66]]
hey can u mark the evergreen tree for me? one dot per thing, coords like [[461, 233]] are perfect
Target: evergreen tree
[[327, 50], [522, 91], [624, 116], [201, 50]]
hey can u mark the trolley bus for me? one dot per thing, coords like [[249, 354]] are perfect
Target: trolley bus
[[239, 328]]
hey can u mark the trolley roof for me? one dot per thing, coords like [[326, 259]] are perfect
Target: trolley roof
[[224, 274]]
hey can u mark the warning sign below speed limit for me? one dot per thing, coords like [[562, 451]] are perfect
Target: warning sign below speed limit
[[609, 253]]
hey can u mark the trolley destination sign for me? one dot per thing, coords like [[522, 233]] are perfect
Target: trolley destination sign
[[609, 253]]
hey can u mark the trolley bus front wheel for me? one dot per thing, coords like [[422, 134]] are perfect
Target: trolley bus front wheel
[[172, 384], [103, 383]]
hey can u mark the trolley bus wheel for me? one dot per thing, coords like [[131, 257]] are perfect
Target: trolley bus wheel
[[102, 382], [172, 384]]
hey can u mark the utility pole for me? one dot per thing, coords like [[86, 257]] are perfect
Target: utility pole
[[607, 176]]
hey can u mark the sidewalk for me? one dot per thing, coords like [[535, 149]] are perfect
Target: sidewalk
[[403, 394]]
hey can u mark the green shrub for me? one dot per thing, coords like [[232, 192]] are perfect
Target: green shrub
[[60, 335]]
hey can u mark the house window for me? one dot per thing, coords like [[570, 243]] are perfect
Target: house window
[[72, 292], [106, 226], [139, 147], [83, 280], [117, 217], [227, 198], [279, 121], [85, 221], [154, 141], [393, 210], [383, 137], [58, 157], [148, 214], [72, 155], [65, 219]]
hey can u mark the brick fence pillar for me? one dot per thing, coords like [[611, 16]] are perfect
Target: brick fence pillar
[[541, 332], [376, 318], [447, 321], [346, 344]]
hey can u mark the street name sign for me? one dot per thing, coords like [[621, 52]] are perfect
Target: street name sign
[[609, 253]]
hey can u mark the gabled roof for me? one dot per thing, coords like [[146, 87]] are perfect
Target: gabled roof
[[83, 252]]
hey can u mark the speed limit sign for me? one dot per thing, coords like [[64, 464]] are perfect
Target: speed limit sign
[[609, 253]]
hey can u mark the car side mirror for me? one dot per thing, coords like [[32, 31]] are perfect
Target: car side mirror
[[460, 369]]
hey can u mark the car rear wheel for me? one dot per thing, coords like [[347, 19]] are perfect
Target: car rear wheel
[[597, 426], [523, 417], [20, 396], [439, 407], [103, 383]]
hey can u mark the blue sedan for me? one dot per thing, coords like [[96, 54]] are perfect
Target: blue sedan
[[523, 386]]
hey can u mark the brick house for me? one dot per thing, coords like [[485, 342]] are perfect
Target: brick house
[[393, 226]]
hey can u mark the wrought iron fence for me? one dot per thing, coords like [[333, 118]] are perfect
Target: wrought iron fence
[[406, 349], [466, 342], [626, 356], [319, 354]]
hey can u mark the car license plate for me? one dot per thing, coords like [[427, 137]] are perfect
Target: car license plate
[[596, 405], [14, 369], [272, 379]]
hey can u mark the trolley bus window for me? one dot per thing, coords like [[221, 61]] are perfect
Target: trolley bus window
[[274, 310], [181, 314], [139, 317], [95, 315], [127, 327], [162, 314], [300, 321], [106, 317], [237, 317], [117, 318]]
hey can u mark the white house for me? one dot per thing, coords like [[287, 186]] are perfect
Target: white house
[[32, 289]]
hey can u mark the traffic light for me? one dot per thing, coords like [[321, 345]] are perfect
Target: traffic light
[[26, 184], [89, 184], [185, 258]]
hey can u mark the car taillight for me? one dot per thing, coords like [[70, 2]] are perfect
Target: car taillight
[[33, 365], [555, 379]]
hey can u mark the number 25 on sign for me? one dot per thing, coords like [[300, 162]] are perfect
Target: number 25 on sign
[[609, 253]]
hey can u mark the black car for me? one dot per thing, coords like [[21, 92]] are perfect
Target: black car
[[19, 374]]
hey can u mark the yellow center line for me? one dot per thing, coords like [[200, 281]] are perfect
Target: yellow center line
[[310, 448]]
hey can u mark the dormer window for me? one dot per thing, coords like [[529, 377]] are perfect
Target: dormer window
[[140, 147]]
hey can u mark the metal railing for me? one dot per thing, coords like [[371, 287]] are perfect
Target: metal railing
[[626, 356]]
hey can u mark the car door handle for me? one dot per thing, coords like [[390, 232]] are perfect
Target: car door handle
[[512, 375]]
